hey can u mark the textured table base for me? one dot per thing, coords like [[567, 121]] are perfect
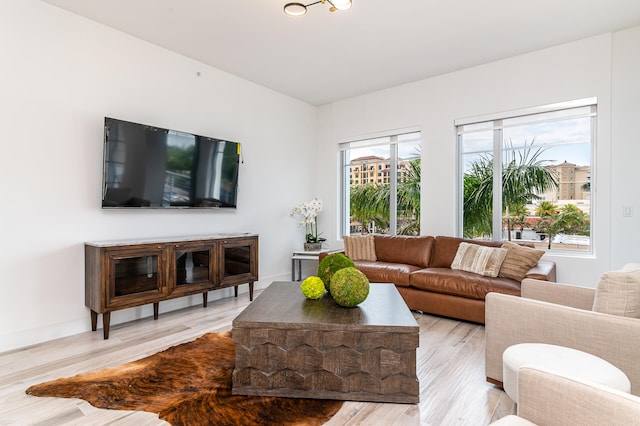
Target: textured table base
[[324, 351]]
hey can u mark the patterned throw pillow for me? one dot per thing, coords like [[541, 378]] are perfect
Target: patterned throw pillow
[[360, 247], [518, 261], [618, 292], [479, 259]]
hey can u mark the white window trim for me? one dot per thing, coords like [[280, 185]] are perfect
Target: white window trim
[[389, 137], [497, 205], [526, 111]]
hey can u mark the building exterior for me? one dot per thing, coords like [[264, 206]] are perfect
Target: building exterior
[[374, 169], [574, 183]]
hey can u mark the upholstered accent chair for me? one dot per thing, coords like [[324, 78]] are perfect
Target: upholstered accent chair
[[550, 399], [570, 316]]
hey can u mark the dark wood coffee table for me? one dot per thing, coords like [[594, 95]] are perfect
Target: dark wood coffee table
[[289, 346]]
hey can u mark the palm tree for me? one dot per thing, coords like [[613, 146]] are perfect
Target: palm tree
[[546, 209], [478, 198], [370, 203], [572, 220], [545, 226], [516, 216], [524, 175], [568, 220], [409, 200]]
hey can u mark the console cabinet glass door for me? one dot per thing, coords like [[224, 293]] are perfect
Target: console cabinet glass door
[[238, 261], [134, 276], [192, 266]]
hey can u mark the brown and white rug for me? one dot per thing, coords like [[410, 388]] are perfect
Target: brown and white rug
[[187, 384]]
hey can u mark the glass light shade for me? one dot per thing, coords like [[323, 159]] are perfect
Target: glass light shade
[[295, 9], [341, 4]]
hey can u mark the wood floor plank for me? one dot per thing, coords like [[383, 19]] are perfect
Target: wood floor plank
[[450, 367]]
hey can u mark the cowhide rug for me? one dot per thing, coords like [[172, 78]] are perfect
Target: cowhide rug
[[187, 384]]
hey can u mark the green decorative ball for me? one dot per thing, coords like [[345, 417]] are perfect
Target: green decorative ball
[[349, 287], [332, 264], [313, 288]]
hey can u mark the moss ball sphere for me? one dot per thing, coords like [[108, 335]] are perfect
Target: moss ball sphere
[[349, 287], [332, 264], [313, 288]]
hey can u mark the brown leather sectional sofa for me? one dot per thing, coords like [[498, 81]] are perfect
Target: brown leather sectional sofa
[[420, 269]]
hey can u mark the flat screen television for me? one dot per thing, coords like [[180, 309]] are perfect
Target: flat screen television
[[150, 167]]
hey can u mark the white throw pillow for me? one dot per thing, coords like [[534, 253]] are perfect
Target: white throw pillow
[[479, 259]]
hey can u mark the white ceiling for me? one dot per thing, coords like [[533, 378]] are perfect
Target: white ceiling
[[324, 57]]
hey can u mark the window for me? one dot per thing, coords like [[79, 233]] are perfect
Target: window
[[542, 158], [386, 204]]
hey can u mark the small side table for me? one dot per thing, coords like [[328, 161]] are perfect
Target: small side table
[[298, 256]]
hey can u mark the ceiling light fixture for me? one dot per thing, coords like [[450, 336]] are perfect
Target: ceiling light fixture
[[299, 9]]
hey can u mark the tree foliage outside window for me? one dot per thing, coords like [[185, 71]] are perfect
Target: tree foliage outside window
[[370, 204], [541, 182], [381, 184]]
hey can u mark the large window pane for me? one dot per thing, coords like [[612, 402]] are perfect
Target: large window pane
[[381, 185], [477, 166], [544, 192]]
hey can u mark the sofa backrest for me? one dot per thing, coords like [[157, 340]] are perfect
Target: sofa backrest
[[404, 249], [445, 249]]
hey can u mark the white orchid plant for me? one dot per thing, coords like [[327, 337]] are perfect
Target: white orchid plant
[[308, 214]]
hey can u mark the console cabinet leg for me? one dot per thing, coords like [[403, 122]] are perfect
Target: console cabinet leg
[[251, 291], [106, 320], [94, 320], [205, 296], [235, 290], [156, 308]]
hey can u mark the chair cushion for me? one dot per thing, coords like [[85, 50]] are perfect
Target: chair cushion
[[360, 247], [618, 292], [479, 259], [519, 260], [571, 362]]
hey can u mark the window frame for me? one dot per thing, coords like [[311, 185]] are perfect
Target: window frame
[[390, 139], [498, 150]]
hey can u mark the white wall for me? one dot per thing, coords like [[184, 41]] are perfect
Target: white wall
[[625, 147], [60, 75], [577, 70]]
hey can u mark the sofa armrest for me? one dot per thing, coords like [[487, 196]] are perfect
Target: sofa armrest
[[561, 294], [324, 254], [511, 320], [546, 398], [544, 270]]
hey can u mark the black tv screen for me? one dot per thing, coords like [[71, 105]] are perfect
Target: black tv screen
[[151, 167]]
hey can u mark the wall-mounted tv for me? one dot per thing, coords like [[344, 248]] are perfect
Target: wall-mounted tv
[[151, 167]]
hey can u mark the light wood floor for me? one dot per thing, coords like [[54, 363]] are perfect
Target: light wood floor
[[450, 362]]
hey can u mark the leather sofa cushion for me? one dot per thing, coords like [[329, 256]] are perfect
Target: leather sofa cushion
[[384, 272], [462, 283], [445, 249], [404, 249]]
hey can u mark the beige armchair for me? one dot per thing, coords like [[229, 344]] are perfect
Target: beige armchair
[[550, 399], [559, 314]]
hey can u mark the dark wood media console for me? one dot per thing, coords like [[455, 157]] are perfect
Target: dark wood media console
[[125, 274]]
